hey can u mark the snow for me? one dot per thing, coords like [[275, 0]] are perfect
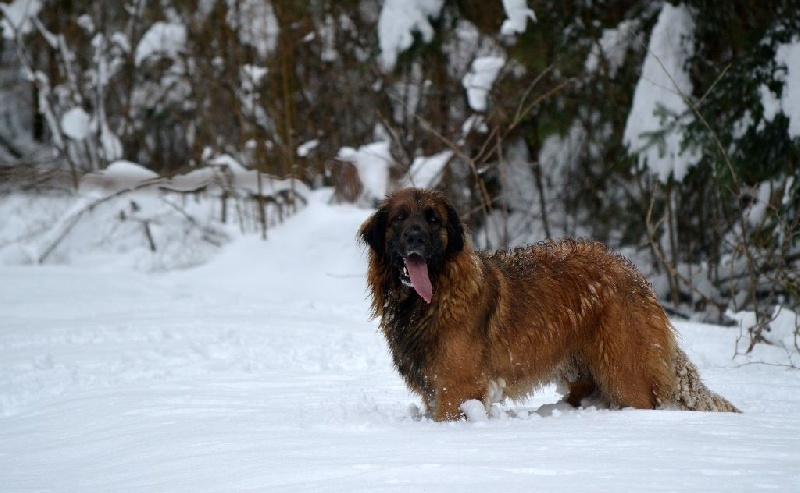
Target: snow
[[246, 180], [518, 14], [304, 149], [256, 24], [612, 47], [663, 84], [474, 122], [86, 23], [76, 123], [131, 217], [788, 56], [372, 162], [757, 211], [162, 39], [479, 80], [112, 146], [770, 103], [119, 175], [398, 21], [17, 17], [253, 74], [427, 171], [782, 331], [260, 371], [787, 191]]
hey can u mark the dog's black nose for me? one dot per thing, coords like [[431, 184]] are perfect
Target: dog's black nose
[[415, 237]]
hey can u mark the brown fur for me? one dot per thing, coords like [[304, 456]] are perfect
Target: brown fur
[[501, 324]]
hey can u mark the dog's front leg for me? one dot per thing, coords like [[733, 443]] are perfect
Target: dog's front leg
[[449, 398]]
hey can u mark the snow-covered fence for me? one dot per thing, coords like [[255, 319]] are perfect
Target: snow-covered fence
[[269, 199]]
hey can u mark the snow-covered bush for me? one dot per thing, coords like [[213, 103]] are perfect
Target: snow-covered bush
[[130, 214]]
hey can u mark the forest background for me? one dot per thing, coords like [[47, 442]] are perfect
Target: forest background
[[670, 131]]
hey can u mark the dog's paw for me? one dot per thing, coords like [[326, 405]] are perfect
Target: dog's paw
[[474, 410]]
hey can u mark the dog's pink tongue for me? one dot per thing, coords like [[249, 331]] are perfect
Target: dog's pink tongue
[[418, 272]]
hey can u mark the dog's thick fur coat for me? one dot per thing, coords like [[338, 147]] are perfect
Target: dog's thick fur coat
[[464, 325]]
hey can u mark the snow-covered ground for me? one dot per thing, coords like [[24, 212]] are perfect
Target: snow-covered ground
[[261, 371]]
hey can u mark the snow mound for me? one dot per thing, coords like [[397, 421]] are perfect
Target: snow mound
[[118, 176], [313, 256], [261, 371]]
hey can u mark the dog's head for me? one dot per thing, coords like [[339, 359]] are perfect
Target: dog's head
[[413, 233]]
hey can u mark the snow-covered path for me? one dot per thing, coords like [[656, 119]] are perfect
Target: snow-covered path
[[262, 372]]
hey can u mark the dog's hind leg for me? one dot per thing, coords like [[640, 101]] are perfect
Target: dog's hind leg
[[579, 390], [575, 381], [631, 357]]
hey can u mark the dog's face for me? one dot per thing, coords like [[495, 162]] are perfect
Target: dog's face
[[413, 233]]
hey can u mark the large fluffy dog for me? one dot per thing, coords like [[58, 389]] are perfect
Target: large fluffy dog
[[465, 325]]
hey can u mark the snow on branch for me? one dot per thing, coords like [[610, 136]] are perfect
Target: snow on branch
[[398, 22], [18, 16], [480, 79], [788, 57], [161, 40], [518, 14], [659, 107]]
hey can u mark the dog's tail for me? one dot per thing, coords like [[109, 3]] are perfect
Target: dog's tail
[[691, 393]]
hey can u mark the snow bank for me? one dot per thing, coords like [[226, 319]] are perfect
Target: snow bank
[[658, 104], [312, 258], [127, 215], [304, 149], [260, 371]]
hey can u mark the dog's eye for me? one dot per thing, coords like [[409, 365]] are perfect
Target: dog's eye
[[431, 217], [399, 217]]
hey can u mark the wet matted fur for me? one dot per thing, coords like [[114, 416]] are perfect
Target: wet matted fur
[[463, 324]]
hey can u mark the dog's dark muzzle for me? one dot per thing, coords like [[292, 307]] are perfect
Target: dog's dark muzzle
[[415, 241]]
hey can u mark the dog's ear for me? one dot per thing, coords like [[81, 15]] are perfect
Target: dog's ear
[[373, 231], [456, 236]]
